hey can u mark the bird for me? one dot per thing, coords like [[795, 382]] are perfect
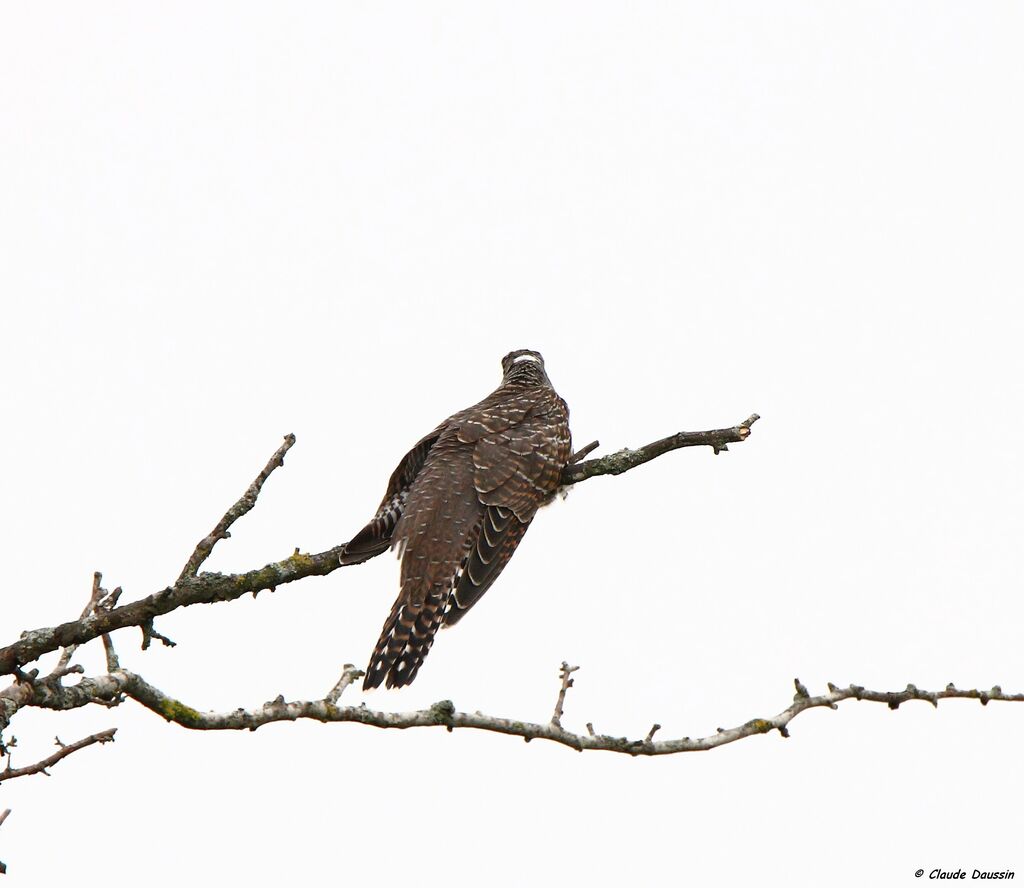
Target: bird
[[457, 506]]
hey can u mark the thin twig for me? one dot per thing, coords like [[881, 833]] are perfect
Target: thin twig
[[245, 503], [349, 674], [106, 605], [565, 673], [582, 452], [108, 649], [624, 460], [40, 767], [94, 599], [149, 633]]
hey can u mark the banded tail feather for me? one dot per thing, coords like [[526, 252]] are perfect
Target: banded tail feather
[[405, 640]]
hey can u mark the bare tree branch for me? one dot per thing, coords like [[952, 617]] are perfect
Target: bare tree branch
[[111, 687], [149, 633], [94, 599], [245, 504], [583, 452], [207, 588], [102, 616], [565, 673], [111, 654], [40, 767], [348, 675], [624, 460]]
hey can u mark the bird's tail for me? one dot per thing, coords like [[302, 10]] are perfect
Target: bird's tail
[[405, 639]]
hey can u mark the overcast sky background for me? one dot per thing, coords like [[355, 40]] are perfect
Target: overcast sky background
[[220, 223]]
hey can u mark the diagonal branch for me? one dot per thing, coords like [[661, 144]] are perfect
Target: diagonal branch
[[583, 452], [40, 767], [94, 600], [349, 674], [245, 503], [206, 588]]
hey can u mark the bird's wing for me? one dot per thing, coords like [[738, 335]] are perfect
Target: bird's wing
[[440, 520], [377, 535], [516, 469], [499, 534]]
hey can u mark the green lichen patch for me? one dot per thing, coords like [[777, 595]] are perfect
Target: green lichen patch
[[442, 712], [760, 725], [176, 711]]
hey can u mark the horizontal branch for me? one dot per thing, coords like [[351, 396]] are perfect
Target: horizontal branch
[[443, 714], [208, 588]]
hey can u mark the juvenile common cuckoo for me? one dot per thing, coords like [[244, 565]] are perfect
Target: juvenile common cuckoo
[[457, 506]]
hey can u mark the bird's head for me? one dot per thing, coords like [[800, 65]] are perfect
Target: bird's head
[[524, 366]]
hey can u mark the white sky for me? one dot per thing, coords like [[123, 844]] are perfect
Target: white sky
[[222, 223]]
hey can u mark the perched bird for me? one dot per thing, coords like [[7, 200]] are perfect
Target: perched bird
[[457, 506]]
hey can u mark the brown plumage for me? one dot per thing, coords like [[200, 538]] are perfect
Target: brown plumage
[[457, 506]]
